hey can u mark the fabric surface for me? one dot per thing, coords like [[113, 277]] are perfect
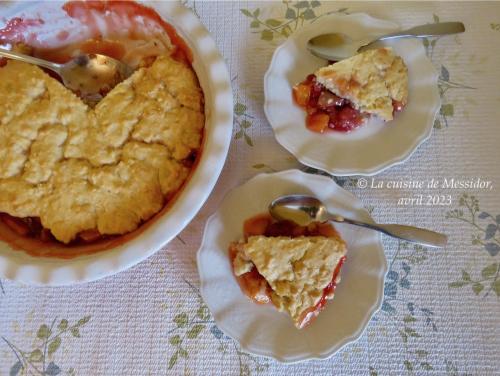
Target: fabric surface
[[441, 308]]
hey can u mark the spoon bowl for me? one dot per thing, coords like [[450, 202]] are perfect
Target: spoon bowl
[[335, 46], [93, 75], [299, 209], [90, 76]]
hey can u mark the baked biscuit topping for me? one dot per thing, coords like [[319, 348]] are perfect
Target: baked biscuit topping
[[297, 269], [372, 81], [108, 168], [294, 267]]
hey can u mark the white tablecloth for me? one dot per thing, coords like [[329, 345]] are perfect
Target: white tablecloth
[[441, 309]]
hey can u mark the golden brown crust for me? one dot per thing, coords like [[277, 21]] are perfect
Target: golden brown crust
[[371, 80], [107, 169], [297, 269]]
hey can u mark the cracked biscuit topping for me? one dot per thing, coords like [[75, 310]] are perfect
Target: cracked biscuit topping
[[297, 269], [106, 169], [372, 81], [294, 267]]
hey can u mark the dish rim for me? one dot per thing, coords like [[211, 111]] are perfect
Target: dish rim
[[18, 266]]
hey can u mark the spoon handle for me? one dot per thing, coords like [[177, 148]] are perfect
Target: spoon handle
[[29, 59], [409, 233], [415, 235], [429, 30]]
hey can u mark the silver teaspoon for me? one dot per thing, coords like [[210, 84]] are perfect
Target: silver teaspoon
[[338, 46], [90, 76], [306, 209]]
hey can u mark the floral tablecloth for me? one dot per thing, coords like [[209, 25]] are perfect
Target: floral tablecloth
[[441, 310]]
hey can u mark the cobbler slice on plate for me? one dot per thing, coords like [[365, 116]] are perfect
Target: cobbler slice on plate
[[294, 267], [341, 96]]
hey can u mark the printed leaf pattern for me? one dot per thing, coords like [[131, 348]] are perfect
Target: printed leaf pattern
[[413, 321], [294, 16], [40, 360], [16, 368], [445, 83], [189, 326], [487, 237], [243, 121]]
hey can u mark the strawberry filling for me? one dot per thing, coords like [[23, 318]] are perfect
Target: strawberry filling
[[31, 227], [327, 111]]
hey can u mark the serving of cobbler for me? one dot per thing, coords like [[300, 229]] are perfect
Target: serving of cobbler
[[71, 174], [295, 268], [343, 95]]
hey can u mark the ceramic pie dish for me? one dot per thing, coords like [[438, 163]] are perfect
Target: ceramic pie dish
[[213, 78], [372, 147], [261, 329]]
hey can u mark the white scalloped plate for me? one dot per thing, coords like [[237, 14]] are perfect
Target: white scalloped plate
[[215, 81], [374, 146], [262, 330]]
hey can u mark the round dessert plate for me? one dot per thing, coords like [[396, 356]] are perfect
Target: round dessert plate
[[372, 147], [214, 79], [262, 329]]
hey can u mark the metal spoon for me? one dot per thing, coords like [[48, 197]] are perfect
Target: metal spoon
[[338, 46], [90, 76], [306, 209]]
